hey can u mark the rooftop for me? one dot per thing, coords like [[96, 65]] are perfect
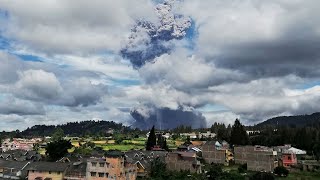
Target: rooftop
[[48, 166], [12, 164]]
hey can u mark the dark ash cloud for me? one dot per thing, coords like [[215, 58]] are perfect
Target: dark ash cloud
[[149, 40], [165, 118]]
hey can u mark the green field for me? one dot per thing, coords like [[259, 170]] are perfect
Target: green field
[[122, 147], [125, 145], [302, 175]]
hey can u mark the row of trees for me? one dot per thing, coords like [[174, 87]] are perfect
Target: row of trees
[[235, 134], [154, 140], [306, 138], [81, 129]]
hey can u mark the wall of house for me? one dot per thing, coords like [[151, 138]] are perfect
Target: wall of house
[[141, 171], [289, 159], [112, 167], [75, 176], [174, 162], [255, 160], [211, 155], [94, 167], [32, 175]]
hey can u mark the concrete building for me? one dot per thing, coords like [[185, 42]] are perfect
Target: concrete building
[[257, 158], [112, 166], [192, 135], [76, 171], [183, 161], [46, 170], [288, 159], [207, 134], [214, 152]]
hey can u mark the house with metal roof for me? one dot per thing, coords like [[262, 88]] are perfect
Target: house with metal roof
[[13, 169], [47, 170]]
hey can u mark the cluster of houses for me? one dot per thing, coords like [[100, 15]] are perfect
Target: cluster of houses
[[109, 165], [192, 135], [19, 143], [27, 164]]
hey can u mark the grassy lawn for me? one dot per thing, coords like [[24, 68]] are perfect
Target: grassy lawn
[[178, 143], [302, 175], [71, 150], [75, 143], [122, 147], [233, 168], [135, 141], [140, 139], [42, 151]]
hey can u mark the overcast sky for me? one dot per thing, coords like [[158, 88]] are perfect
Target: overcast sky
[[72, 60]]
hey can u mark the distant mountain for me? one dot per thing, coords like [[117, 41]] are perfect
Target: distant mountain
[[77, 128], [297, 121]]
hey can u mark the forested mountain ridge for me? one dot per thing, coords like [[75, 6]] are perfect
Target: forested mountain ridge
[[295, 121], [77, 128]]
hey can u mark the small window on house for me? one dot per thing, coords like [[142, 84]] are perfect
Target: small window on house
[[101, 164], [101, 174], [94, 164], [93, 174], [289, 157], [58, 172], [107, 174]]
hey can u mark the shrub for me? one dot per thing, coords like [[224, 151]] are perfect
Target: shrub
[[262, 176], [281, 171], [242, 168]]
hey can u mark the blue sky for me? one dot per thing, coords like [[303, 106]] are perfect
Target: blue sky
[[219, 60]]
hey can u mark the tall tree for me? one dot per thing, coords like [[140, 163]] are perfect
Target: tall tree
[[222, 133], [57, 135], [152, 139], [239, 135], [162, 142], [316, 150], [57, 149]]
